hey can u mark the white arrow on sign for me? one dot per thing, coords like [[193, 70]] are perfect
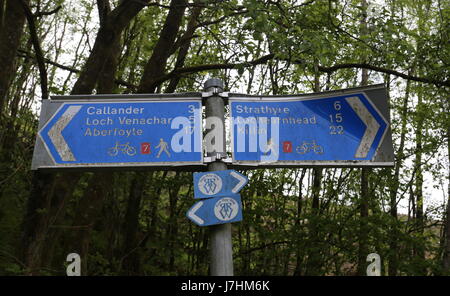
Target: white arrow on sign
[[56, 137], [242, 181], [372, 126], [191, 214]]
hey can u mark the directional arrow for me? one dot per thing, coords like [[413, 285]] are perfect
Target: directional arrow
[[242, 181], [216, 210], [218, 183], [55, 133], [191, 213], [372, 126]]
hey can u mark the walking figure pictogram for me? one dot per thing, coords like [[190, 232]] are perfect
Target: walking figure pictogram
[[163, 146]]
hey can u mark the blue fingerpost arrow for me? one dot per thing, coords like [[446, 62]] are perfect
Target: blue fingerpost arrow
[[338, 129], [218, 183], [216, 210], [124, 133]]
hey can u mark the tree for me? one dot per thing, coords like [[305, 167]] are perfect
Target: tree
[[303, 221]]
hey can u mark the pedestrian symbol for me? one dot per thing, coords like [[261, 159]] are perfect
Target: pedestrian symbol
[[162, 148]]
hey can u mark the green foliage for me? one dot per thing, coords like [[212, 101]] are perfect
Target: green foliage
[[283, 231]]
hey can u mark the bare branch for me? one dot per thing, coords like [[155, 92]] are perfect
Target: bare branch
[[37, 48], [386, 71], [46, 13], [266, 58], [25, 54]]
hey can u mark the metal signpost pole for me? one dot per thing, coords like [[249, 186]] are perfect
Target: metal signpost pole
[[221, 253]]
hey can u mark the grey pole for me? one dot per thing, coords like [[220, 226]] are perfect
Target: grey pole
[[221, 251]]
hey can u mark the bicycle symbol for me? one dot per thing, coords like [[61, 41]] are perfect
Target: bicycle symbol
[[124, 148], [309, 146]]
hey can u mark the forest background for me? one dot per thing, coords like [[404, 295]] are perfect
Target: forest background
[[300, 221]]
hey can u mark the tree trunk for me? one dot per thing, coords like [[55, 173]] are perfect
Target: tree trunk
[[364, 202], [155, 67], [11, 30], [47, 198], [105, 46], [9, 129], [98, 188], [314, 264], [172, 227], [39, 195], [299, 252], [131, 259], [419, 251], [87, 212], [419, 247], [446, 257], [106, 79], [394, 185], [363, 223], [154, 217], [185, 41]]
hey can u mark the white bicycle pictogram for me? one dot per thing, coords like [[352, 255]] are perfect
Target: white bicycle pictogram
[[124, 148], [306, 147]]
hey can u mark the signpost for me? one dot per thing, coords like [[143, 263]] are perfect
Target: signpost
[[218, 183], [88, 132], [216, 210], [221, 203], [344, 128]]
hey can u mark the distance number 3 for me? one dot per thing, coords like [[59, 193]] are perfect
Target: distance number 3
[[191, 108]]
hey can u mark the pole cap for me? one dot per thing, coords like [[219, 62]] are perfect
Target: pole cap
[[214, 83]]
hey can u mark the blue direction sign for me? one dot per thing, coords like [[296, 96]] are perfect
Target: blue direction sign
[[345, 129], [218, 183], [120, 133], [216, 210]]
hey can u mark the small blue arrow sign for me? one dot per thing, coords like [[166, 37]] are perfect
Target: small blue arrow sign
[[216, 210], [218, 183]]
